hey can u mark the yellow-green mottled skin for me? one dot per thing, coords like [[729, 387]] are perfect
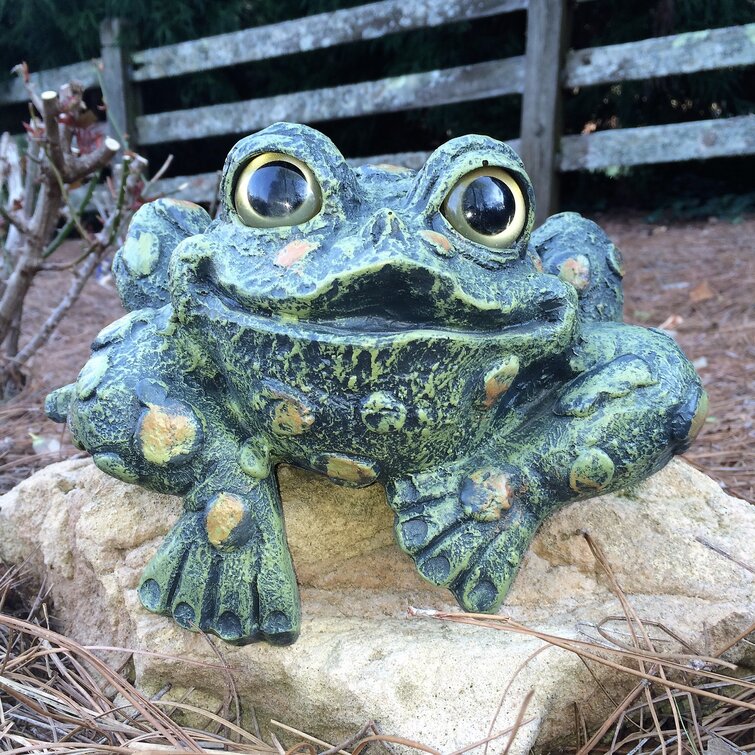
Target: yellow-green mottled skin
[[485, 387]]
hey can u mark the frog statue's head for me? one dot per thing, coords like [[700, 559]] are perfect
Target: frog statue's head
[[394, 298]]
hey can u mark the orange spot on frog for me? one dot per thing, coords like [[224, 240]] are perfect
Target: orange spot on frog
[[225, 514], [167, 434], [499, 380], [440, 243], [486, 494], [294, 251], [576, 270]]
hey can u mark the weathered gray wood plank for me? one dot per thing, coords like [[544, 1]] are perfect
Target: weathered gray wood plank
[[14, 91], [698, 140], [310, 33], [118, 91], [547, 35], [198, 188], [473, 82], [662, 56]]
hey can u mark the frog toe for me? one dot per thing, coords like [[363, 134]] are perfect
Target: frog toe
[[450, 555], [179, 565], [279, 605], [426, 507], [418, 527], [222, 592], [484, 585], [234, 613]]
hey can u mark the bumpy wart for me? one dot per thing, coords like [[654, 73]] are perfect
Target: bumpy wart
[[374, 325]]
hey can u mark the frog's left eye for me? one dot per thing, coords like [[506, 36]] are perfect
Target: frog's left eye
[[487, 206], [275, 190]]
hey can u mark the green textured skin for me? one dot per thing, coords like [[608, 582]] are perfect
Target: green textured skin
[[483, 387]]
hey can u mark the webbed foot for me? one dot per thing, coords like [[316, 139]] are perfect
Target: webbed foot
[[226, 569], [466, 532]]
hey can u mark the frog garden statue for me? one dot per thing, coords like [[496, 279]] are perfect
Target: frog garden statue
[[374, 325]]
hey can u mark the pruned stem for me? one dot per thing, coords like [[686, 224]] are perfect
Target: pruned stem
[[36, 194], [82, 166], [50, 112]]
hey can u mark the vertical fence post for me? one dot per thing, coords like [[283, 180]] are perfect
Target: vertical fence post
[[548, 31], [118, 91]]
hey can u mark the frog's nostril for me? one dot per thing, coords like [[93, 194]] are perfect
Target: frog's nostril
[[384, 226]]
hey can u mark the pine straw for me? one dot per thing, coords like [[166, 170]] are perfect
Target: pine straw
[[697, 280], [57, 696], [682, 703]]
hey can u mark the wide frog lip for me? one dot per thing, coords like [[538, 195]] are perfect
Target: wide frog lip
[[384, 306]]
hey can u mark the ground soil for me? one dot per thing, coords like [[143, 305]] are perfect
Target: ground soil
[[695, 279]]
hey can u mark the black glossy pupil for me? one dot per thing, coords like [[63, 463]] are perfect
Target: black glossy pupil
[[488, 205], [277, 189]]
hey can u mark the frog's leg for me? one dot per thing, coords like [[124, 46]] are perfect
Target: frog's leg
[[448, 517], [138, 408], [635, 402]]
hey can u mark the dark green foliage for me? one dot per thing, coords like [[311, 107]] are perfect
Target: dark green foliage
[[676, 191], [50, 33], [671, 99]]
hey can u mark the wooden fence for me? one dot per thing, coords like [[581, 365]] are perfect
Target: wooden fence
[[540, 77]]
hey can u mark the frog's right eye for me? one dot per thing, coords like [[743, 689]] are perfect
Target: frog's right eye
[[276, 190], [487, 206]]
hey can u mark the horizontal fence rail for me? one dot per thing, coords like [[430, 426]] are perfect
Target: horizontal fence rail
[[698, 140], [86, 73], [662, 56], [415, 90], [311, 33], [540, 77]]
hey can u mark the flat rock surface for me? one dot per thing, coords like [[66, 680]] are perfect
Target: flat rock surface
[[678, 545]]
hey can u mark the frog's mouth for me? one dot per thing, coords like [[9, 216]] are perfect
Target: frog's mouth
[[387, 301]]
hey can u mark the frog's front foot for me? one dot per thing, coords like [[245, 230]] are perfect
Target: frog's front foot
[[225, 567], [466, 528]]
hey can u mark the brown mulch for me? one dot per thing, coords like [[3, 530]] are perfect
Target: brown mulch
[[695, 278]]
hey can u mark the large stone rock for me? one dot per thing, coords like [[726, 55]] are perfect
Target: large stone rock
[[360, 655]]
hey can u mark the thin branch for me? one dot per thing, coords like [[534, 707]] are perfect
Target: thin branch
[[93, 248], [68, 227], [72, 214], [114, 222], [44, 333], [15, 218], [160, 173]]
